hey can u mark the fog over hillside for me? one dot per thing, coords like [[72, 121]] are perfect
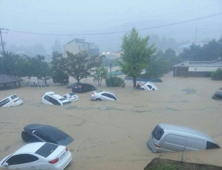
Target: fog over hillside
[[34, 25]]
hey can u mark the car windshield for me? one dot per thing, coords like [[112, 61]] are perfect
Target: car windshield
[[14, 96]]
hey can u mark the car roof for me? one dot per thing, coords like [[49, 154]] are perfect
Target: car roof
[[49, 93], [104, 92], [29, 148], [186, 130], [52, 131], [53, 94], [9, 97], [219, 91], [150, 83], [83, 84]]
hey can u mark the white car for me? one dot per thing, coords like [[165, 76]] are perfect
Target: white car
[[103, 95], [39, 156], [51, 98], [11, 101], [148, 86], [71, 96]]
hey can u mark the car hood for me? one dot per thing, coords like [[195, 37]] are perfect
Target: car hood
[[58, 135]]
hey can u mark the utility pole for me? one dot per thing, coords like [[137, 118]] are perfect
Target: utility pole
[[2, 40]]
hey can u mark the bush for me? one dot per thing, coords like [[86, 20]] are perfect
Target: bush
[[114, 82], [217, 75], [60, 77], [165, 167]]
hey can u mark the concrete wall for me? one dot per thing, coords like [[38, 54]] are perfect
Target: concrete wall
[[183, 72]]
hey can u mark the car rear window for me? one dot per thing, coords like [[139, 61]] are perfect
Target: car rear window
[[157, 132], [46, 149]]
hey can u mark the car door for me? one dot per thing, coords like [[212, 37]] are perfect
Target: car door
[[112, 97], [22, 162], [105, 96], [174, 142]]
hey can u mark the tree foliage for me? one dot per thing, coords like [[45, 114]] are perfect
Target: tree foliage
[[208, 52], [160, 63], [22, 66], [114, 81], [136, 54], [99, 74], [80, 65], [217, 75], [58, 64]]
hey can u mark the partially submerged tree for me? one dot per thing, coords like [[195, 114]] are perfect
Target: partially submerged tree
[[136, 54], [58, 64], [100, 74], [39, 68], [80, 65]]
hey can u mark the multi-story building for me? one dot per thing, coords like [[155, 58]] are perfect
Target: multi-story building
[[77, 45]]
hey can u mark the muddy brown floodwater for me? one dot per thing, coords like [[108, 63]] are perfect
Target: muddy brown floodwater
[[113, 135]]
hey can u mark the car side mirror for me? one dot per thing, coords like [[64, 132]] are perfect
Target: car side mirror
[[5, 164]]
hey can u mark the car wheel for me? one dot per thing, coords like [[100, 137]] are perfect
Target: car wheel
[[142, 89], [98, 99]]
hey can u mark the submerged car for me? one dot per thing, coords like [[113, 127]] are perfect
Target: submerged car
[[71, 96], [40, 155], [148, 86], [51, 98], [11, 101], [82, 87], [45, 133], [217, 95], [103, 96], [171, 138]]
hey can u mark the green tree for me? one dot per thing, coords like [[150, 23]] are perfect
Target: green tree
[[100, 73], [80, 66], [217, 75], [39, 68], [208, 52], [136, 54], [58, 67], [9, 63], [60, 77]]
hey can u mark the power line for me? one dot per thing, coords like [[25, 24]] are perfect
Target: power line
[[116, 32]]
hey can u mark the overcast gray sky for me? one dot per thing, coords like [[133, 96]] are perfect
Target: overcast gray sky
[[87, 16]]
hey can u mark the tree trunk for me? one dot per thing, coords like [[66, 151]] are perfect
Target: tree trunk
[[134, 81]]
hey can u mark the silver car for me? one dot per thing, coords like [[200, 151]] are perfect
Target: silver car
[[171, 138], [103, 96]]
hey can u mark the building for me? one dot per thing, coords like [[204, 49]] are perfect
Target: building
[[7, 80], [77, 45], [196, 68]]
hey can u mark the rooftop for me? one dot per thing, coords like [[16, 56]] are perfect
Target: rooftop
[[79, 41], [214, 63]]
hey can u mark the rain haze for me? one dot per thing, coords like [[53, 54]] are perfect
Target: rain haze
[[111, 105], [42, 22]]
